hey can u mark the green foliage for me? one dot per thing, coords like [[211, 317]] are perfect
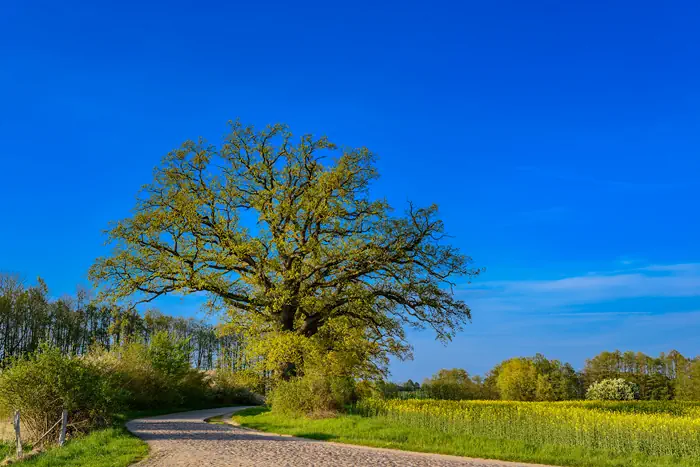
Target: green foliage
[[46, 382], [454, 384], [517, 380], [533, 379], [252, 380], [325, 367], [387, 389], [130, 367], [229, 388], [323, 257], [6, 449], [613, 389], [159, 375], [29, 317], [687, 384], [365, 389], [658, 378], [169, 356], [326, 364], [556, 380], [314, 394], [95, 386], [544, 390]]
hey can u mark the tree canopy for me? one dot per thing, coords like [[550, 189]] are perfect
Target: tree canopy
[[284, 235], [535, 378], [453, 384]]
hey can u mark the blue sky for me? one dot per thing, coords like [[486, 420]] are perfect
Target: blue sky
[[560, 140]]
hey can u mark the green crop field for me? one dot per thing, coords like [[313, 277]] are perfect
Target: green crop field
[[585, 434]]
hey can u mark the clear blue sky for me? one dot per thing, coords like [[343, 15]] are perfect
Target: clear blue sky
[[560, 140]]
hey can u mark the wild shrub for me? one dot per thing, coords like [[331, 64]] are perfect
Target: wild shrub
[[130, 367], [226, 387], [159, 375], [254, 381], [454, 384], [517, 380], [46, 382], [365, 389], [194, 389], [103, 382], [313, 394], [169, 356]]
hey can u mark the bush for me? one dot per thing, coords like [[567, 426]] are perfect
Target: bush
[[46, 382], [367, 390], [249, 379], [616, 389], [157, 375], [387, 389], [160, 376], [313, 394], [194, 388], [454, 384], [169, 356], [517, 380], [226, 389], [102, 383], [130, 367]]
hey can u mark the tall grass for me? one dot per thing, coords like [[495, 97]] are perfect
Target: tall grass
[[649, 428]]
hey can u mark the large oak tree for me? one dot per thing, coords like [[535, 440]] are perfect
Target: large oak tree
[[283, 232]]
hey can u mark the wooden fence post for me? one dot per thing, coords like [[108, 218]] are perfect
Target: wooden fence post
[[18, 436], [64, 425]]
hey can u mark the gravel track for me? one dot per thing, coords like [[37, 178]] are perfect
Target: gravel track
[[186, 440]]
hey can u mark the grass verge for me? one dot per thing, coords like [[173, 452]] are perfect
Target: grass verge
[[382, 432], [6, 449], [110, 447]]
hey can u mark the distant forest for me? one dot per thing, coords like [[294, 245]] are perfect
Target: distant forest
[[29, 317], [669, 376], [74, 324]]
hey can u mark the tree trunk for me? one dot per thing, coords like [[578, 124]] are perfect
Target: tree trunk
[[287, 369], [287, 315], [310, 326]]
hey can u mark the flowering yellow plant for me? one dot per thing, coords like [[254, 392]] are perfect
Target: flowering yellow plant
[[653, 428]]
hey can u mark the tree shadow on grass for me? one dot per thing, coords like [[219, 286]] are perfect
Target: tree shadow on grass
[[251, 411], [195, 430], [317, 436]]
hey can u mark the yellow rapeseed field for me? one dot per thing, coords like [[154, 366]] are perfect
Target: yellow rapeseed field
[[652, 428]]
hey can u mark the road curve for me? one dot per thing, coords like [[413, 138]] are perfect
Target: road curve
[[186, 440]]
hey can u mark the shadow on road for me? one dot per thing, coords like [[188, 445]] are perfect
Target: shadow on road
[[196, 430]]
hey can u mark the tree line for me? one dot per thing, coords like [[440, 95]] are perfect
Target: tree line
[[74, 324], [668, 376]]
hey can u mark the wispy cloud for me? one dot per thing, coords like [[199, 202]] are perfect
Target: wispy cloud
[[662, 280], [650, 308], [678, 268]]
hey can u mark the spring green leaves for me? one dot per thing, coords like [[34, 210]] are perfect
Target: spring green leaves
[[283, 234]]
